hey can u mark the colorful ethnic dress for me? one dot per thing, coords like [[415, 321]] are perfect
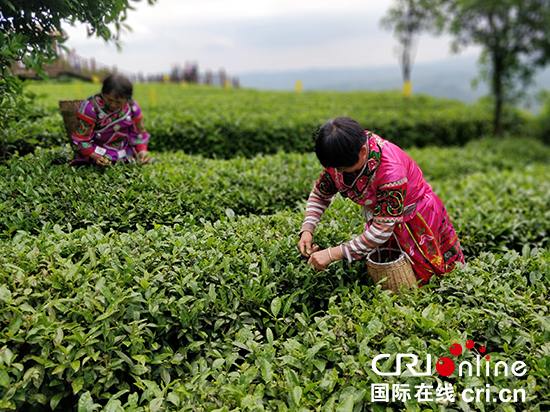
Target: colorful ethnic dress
[[395, 200], [117, 136]]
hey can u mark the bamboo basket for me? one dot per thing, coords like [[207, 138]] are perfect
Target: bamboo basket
[[68, 109], [398, 270]]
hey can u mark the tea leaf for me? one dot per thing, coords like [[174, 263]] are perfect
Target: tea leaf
[[297, 395], [276, 304], [77, 384], [86, 403], [54, 401], [4, 379], [346, 406], [5, 294]]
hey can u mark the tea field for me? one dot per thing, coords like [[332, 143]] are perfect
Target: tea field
[[178, 286], [228, 123]]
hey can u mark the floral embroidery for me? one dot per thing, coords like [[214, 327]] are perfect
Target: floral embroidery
[[326, 186], [138, 124], [116, 141], [390, 201], [84, 127], [109, 119], [105, 121]]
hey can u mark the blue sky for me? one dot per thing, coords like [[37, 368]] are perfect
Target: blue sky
[[255, 35]]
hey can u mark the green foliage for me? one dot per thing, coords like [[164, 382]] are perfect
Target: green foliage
[[227, 316], [36, 192], [513, 34], [493, 183], [27, 125], [29, 27], [228, 123], [178, 286], [542, 120]]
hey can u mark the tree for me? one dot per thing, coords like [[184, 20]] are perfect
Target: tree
[[408, 19], [30, 30], [515, 40], [514, 36], [28, 26]]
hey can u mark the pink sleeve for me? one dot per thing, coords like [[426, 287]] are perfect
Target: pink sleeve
[[85, 124], [138, 136]]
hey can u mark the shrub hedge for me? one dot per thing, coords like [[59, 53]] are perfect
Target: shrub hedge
[[227, 317], [37, 193], [226, 123], [178, 286]]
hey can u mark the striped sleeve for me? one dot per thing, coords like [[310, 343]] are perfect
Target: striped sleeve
[[316, 206], [376, 235], [319, 200]]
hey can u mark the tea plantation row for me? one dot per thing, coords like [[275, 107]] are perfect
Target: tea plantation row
[[483, 190], [228, 123], [178, 286], [228, 317]]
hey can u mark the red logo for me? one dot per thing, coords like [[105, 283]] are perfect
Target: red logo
[[446, 366]]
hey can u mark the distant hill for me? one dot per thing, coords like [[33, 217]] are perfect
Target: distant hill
[[450, 78]]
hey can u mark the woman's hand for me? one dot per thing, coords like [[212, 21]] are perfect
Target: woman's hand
[[100, 160], [143, 156], [321, 259], [304, 244]]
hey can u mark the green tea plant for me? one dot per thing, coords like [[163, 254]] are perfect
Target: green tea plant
[[220, 123], [178, 285], [38, 193], [207, 319]]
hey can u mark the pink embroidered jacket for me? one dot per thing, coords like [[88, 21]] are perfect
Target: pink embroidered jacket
[[390, 188]]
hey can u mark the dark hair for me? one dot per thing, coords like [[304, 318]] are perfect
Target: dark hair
[[118, 85], [339, 141]]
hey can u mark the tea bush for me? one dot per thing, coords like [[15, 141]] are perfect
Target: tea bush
[[228, 317], [36, 192], [178, 286], [497, 175], [226, 123]]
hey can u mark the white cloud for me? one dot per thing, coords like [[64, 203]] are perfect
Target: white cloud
[[251, 35]]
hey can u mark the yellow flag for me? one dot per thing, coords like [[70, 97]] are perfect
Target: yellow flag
[[407, 87]]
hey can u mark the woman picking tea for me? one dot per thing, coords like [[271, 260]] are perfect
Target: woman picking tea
[[395, 199], [110, 127]]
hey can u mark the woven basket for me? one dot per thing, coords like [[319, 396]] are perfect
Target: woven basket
[[68, 109], [393, 264]]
